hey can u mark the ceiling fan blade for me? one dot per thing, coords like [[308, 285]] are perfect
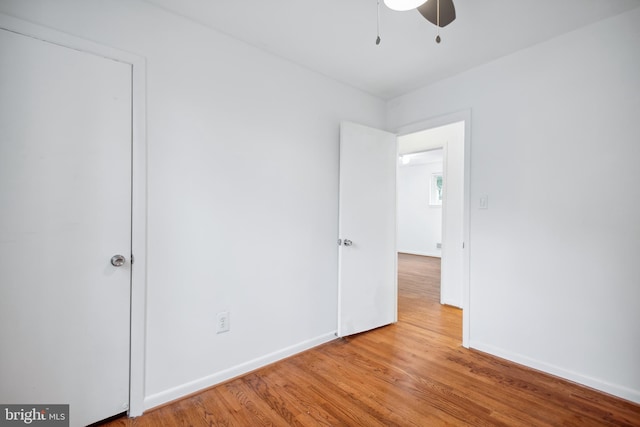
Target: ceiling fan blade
[[430, 12]]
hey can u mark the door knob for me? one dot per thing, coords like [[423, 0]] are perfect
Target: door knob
[[118, 260], [348, 242]]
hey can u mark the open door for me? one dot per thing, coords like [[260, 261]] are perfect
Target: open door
[[367, 269]]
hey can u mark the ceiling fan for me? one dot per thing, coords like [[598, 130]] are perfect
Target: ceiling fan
[[439, 12]]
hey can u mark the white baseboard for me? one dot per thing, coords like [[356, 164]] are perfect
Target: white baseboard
[[606, 387], [203, 383], [452, 303], [431, 254]]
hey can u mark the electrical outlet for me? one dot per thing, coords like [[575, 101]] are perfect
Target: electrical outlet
[[438, 245], [222, 322]]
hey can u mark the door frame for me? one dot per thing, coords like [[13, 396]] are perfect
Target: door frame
[[434, 122], [138, 188]]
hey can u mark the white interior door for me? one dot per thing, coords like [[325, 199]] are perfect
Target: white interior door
[[65, 210], [367, 296]]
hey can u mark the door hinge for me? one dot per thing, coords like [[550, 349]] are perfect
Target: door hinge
[[339, 242], [132, 259]]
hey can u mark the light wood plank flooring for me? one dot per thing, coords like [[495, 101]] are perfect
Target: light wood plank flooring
[[413, 373]]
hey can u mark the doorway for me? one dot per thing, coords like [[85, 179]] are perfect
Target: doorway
[[375, 144], [451, 135]]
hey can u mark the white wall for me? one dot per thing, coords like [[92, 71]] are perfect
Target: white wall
[[242, 191], [555, 278], [419, 224]]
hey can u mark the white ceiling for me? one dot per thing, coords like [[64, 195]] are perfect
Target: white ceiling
[[337, 37]]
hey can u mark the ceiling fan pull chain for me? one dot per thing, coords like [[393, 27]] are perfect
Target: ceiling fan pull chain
[[378, 23], [438, 21]]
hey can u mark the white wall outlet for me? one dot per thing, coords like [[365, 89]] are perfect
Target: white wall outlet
[[484, 202], [222, 322]]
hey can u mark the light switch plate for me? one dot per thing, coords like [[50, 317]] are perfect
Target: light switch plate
[[484, 202]]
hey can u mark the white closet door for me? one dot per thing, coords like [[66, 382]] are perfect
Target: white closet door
[[65, 211]]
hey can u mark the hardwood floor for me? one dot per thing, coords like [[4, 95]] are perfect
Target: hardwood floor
[[413, 373]]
